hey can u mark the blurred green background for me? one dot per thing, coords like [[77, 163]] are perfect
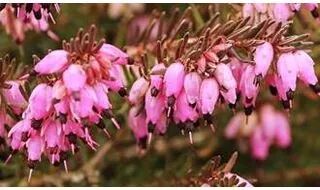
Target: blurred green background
[[116, 163]]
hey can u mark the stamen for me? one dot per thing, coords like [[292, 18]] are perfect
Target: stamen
[[30, 175], [65, 166]]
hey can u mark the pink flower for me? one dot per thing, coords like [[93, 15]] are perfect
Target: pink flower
[[67, 105], [248, 88], [265, 128], [305, 68], [184, 112], [223, 75], [40, 101], [109, 53], [173, 79], [233, 126], [268, 122], [209, 94], [74, 78], [14, 98], [192, 83], [263, 57], [138, 90], [154, 106], [259, 145], [282, 12], [283, 131], [137, 123], [248, 10], [35, 146], [115, 82], [53, 62]]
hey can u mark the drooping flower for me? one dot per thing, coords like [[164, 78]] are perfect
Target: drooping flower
[[71, 99], [268, 128], [30, 16]]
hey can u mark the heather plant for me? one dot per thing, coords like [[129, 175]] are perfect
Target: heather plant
[[225, 78]]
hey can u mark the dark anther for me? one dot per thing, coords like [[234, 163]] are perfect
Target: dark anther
[[31, 164], [193, 105], [315, 13], [142, 142], [101, 124], [208, 118], [2, 6], [37, 14], [56, 163], [63, 155], [285, 104], [171, 101], [248, 110], [130, 61], [33, 73], [290, 94], [123, 92], [249, 100], [53, 150], [232, 106], [63, 118], [55, 101], [154, 92], [181, 126], [36, 124], [189, 126], [29, 7], [151, 127], [2, 141], [273, 90], [72, 138], [107, 113], [45, 5], [197, 123], [76, 96], [315, 88], [238, 96], [257, 80], [221, 98], [24, 136]]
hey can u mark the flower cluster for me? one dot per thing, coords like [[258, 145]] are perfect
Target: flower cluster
[[281, 12], [263, 129], [190, 77], [71, 98], [12, 99], [19, 18]]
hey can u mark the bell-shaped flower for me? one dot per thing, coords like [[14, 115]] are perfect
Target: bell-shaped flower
[[35, 147], [283, 131], [40, 101], [192, 84], [14, 97], [209, 94], [287, 68], [224, 76], [74, 78], [259, 145], [306, 71], [184, 112], [154, 106], [137, 123], [53, 62], [109, 53], [138, 90], [173, 79], [263, 57]]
